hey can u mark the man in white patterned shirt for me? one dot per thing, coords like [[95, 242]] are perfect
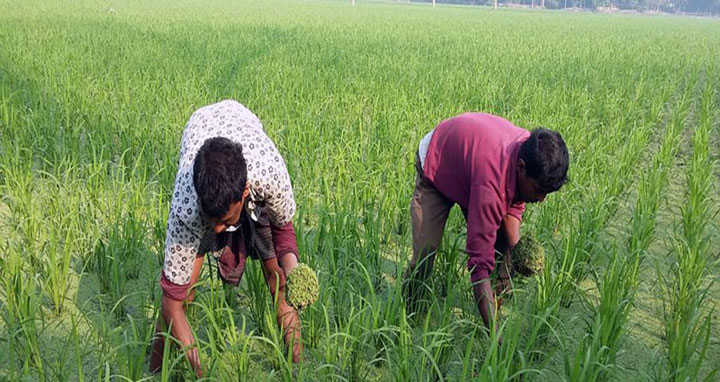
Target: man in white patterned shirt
[[232, 198]]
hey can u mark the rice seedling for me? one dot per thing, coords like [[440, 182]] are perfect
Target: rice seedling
[[302, 286], [131, 346], [596, 355], [528, 256], [22, 318], [259, 300], [111, 274]]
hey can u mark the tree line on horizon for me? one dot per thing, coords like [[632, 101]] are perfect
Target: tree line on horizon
[[701, 7]]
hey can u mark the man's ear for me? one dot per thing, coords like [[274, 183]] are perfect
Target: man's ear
[[246, 191]]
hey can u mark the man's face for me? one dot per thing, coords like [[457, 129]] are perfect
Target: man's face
[[232, 216], [529, 191]]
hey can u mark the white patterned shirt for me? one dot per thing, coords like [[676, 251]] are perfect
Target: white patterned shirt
[[267, 178]]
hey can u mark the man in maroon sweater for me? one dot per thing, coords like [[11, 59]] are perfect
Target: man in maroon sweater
[[490, 168]]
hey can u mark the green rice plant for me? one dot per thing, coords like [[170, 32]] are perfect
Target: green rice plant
[[685, 289], [435, 348], [259, 301], [133, 250], [22, 315], [57, 268], [580, 243], [174, 366], [60, 243], [159, 229], [56, 369], [347, 344], [107, 264], [596, 214], [118, 257], [503, 361], [74, 335], [595, 358], [171, 361], [369, 239], [687, 324], [272, 335], [25, 215], [514, 349], [449, 267], [131, 346], [403, 357], [378, 320], [223, 338], [228, 346]]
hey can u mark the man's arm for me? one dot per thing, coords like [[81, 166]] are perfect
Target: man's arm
[[485, 300], [512, 230], [285, 243], [288, 262], [172, 313], [484, 218], [510, 235], [276, 271], [287, 317]]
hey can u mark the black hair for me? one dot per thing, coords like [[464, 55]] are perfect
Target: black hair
[[220, 175], [546, 158]]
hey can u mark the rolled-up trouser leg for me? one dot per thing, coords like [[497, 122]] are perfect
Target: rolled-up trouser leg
[[429, 210]]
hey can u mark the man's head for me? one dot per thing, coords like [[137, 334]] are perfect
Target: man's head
[[220, 180], [543, 163]]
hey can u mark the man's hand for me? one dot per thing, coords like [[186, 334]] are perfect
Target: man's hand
[[485, 300], [193, 357], [511, 225], [511, 235], [289, 322], [173, 312], [503, 285], [288, 263], [287, 317]]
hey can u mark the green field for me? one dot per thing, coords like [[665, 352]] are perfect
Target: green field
[[94, 96]]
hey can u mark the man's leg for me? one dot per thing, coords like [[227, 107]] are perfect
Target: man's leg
[[429, 210], [287, 317]]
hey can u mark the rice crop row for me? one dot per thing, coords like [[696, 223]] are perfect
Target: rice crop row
[[686, 285]]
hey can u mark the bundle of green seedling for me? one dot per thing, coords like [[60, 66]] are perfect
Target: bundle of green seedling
[[528, 256], [302, 287]]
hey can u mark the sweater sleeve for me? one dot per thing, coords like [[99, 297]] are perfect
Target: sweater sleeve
[[484, 217], [516, 210], [284, 240], [181, 248]]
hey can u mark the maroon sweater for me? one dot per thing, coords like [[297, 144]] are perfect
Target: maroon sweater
[[472, 160]]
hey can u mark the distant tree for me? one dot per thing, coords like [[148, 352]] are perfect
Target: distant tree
[[701, 6]]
